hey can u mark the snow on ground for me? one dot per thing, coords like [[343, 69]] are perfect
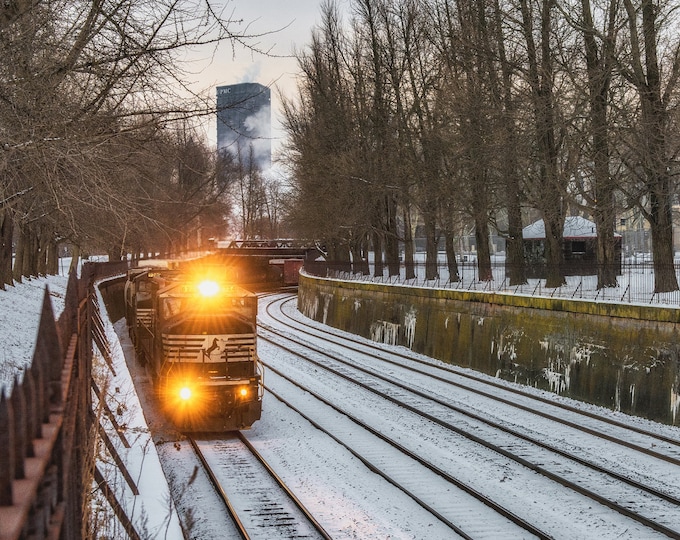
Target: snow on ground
[[20, 308], [576, 521], [635, 284], [151, 511]]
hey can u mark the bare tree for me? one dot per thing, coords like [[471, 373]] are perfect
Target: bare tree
[[75, 76], [250, 195], [425, 111], [599, 190], [373, 99], [548, 185], [508, 140], [327, 201], [470, 67], [648, 156]]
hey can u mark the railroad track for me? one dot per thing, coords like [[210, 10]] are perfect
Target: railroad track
[[652, 506], [487, 387], [257, 500]]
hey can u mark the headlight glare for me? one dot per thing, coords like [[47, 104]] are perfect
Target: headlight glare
[[208, 288]]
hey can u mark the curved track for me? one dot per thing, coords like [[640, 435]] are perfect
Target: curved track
[[490, 415]]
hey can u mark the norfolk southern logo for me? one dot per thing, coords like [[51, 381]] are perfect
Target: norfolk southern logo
[[213, 347]]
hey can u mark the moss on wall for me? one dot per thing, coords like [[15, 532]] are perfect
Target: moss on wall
[[619, 356]]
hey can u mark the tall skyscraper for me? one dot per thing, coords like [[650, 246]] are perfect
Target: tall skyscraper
[[244, 122]]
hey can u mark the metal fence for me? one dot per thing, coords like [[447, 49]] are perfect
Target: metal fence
[[635, 282], [45, 422]]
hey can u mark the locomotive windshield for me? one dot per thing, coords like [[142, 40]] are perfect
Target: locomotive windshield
[[173, 305]]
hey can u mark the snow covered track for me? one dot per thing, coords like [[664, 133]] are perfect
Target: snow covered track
[[460, 513], [259, 502], [568, 469]]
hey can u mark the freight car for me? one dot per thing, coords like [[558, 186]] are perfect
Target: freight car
[[197, 340]]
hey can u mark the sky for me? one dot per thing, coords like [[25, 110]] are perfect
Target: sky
[[286, 27]]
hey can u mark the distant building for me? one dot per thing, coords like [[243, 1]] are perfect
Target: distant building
[[244, 122], [579, 247]]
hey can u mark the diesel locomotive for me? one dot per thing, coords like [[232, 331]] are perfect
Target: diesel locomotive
[[196, 335]]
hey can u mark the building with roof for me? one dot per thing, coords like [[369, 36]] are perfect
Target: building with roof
[[244, 123], [579, 247]]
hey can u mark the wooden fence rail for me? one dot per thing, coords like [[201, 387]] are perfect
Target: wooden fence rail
[[46, 440]]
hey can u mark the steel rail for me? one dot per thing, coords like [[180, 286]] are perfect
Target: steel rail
[[218, 487], [317, 526], [496, 425], [460, 485]]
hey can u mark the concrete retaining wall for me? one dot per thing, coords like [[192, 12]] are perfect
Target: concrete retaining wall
[[620, 356]]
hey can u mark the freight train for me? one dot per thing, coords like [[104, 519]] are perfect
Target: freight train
[[196, 335]]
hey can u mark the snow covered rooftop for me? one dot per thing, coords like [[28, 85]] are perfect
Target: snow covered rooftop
[[574, 227]]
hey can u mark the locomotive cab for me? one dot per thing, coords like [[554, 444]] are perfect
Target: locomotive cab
[[139, 290]]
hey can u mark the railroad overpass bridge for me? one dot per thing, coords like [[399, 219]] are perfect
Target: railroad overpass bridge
[[264, 262]]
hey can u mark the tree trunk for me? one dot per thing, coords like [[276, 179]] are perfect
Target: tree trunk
[[655, 159], [52, 258], [431, 265], [27, 252], [339, 253], [661, 226], [391, 238], [451, 262], [607, 264], [6, 233], [553, 251], [549, 181], [379, 268], [19, 253], [514, 244], [31, 257], [599, 64], [75, 256], [44, 241], [409, 248], [483, 250], [359, 264], [113, 253]]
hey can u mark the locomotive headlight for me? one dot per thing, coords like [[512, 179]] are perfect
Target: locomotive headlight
[[208, 288], [243, 392], [185, 393]]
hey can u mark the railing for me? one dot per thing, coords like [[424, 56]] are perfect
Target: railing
[[45, 423], [635, 281]]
